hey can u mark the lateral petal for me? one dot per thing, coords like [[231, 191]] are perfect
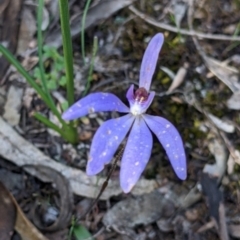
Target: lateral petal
[[136, 154], [106, 142], [171, 141], [95, 102]]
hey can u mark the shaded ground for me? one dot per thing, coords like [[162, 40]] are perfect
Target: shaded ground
[[203, 106]]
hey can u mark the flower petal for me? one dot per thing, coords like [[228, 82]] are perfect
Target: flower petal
[[106, 141], [171, 141], [130, 95], [136, 154], [95, 102], [149, 61]]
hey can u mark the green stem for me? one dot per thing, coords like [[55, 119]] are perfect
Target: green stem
[[68, 133], [67, 49], [47, 122]]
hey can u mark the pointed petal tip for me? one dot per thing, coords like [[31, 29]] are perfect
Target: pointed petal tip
[[160, 36], [65, 116], [90, 171], [127, 187], [182, 174], [180, 169]]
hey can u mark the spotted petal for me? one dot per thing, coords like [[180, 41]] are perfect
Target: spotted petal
[[136, 154], [95, 102], [150, 60], [106, 142], [171, 141]]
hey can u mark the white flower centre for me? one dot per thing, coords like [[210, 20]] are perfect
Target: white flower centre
[[136, 109]]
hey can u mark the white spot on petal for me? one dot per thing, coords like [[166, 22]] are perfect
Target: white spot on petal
[[104, 153], [136, 163], [168, 126]]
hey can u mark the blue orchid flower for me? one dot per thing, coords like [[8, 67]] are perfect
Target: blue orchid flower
[[136, 122]]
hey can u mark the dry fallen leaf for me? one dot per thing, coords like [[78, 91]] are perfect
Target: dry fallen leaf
[[180, 9], [13, 104], [12, 214], [228, 75], [9, 33], [217, 148], [234, 158], [214, 198], [179, 78], [46, 19], [27, 30], [234, 101], [234, 230], [222, 125], [8, 214]]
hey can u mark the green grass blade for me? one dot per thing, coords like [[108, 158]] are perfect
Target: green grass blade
[[47, 122], [94, 52], [67, 132], [67, 49], [40, 48], [81, 233], [83, 29]]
